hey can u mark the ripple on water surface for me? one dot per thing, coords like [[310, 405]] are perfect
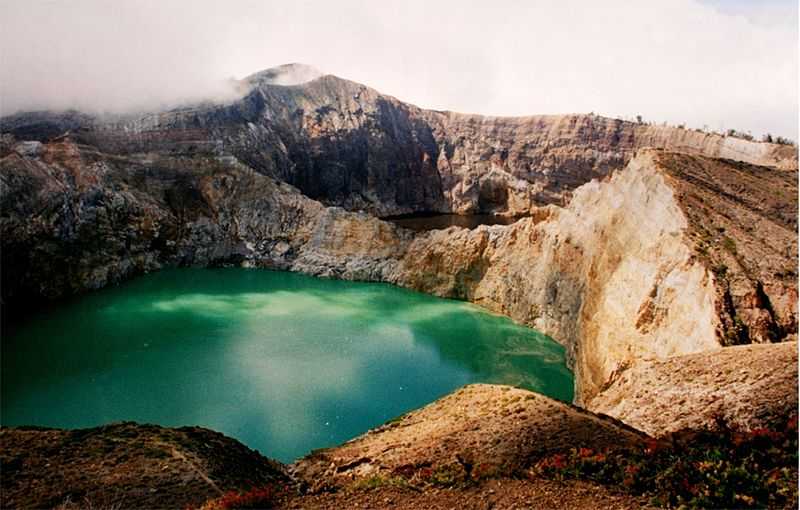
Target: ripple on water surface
[[283, 362]]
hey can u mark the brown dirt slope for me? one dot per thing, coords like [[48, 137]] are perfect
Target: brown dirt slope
[[125, 465], [743, 224], [506, 493], [481, 428]]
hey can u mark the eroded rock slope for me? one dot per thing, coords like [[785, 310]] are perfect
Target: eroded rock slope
[[629, 269], [746, 387]]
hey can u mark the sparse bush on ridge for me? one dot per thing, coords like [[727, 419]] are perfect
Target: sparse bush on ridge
[[733, 133], [739, 134]]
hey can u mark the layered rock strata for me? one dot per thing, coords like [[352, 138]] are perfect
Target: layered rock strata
[[347, 145]]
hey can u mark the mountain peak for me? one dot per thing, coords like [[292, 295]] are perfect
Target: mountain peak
[[286, 74]]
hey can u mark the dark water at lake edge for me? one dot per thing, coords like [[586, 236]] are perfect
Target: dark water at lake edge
[[420, 222], [285, 363]]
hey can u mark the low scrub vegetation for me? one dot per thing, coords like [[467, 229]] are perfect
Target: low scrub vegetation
[[725, 468], [720, 468], [263, 497]]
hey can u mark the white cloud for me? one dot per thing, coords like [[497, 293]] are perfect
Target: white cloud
[[711, 63]]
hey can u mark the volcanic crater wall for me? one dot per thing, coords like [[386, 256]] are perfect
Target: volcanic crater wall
[[673, 255], [347, 145]]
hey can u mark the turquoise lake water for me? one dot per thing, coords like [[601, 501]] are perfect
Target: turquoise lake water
[[283, 362]]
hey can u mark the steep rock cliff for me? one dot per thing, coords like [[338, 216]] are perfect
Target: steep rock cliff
[[497, 427], [347, 145], [620, 275], [511, 164], [75, 219]]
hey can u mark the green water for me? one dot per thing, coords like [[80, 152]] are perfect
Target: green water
[[283, 362]]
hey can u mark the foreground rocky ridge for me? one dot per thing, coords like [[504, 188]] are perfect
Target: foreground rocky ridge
[[146, 466], [483, 428], [125, 465], [482, 446]]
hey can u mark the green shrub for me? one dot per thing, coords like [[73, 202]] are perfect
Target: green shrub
[[729, 244]]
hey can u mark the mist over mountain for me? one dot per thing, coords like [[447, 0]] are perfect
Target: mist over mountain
[[720, 64]]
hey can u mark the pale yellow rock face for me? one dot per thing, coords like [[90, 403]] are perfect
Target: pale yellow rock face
[[615, 276], [611, 276], [645, 295], [746, 386], [715, 146]]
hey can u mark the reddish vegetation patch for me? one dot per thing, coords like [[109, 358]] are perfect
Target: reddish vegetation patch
[[500, 493], [726, 468], [266, 496]]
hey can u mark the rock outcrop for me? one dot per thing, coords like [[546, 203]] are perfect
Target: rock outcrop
[[746, 387], [347, 145], [511, 165], [485, 433], [631, 269]]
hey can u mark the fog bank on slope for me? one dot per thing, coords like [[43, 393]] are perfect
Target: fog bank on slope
[[691, 62]]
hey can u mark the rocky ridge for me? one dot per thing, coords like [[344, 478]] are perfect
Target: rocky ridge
[[347, 145], [129, 465], [126, 465], [479, 427]]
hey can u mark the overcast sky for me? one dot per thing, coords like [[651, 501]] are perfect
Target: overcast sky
[[720, 63]]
